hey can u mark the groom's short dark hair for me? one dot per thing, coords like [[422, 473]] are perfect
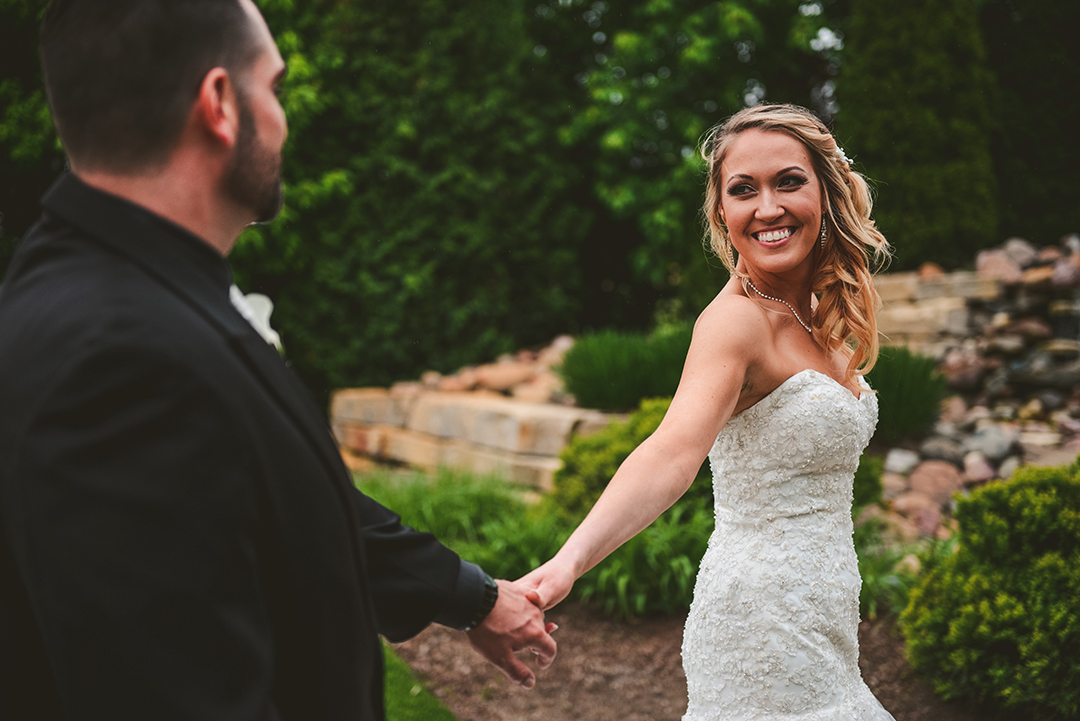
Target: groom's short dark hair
[[121, 75]]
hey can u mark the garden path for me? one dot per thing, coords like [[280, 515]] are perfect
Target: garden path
[[612, 671]]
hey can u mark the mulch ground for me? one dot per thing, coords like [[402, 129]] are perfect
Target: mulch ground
[[617, 671]]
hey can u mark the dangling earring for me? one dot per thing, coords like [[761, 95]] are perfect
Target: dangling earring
[[823, 231]]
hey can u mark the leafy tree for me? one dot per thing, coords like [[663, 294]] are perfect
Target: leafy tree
[[915, 99], [1033, 53], [30, 156], [660, 75]]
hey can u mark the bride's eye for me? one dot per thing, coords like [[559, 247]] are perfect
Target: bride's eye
[[740, 189], [792, 181]]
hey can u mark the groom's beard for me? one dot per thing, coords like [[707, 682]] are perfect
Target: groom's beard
[[253, 178]]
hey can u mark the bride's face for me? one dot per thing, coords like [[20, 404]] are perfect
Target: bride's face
[[771, 202]]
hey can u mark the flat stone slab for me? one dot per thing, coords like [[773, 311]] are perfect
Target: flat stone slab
[[499, 423]]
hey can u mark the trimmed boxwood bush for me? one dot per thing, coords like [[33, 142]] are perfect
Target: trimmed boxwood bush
[[997, 621], [614, 371]]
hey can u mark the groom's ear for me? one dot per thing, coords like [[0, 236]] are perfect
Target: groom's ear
[[216, 111]]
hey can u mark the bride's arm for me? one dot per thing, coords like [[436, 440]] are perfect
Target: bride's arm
[[728, 337]]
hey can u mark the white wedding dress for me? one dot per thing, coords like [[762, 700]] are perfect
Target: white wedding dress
[[773, 629]]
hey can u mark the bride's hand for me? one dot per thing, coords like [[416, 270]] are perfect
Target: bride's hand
[[548, 584]]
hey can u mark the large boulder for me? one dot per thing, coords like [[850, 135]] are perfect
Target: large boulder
[[936, 480]]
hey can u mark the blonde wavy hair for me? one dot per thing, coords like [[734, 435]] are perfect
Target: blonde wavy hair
[[844, 319]]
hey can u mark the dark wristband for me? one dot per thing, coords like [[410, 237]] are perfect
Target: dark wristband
[[491, 595]]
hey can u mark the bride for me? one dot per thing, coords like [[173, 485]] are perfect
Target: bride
[[772, 391]]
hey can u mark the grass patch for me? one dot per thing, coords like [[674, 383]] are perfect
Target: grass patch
[[406, 697]]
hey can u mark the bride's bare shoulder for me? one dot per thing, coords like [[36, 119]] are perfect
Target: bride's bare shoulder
[[733, 315]]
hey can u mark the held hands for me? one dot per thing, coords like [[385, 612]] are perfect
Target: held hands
[[549, 583], [515, 623]]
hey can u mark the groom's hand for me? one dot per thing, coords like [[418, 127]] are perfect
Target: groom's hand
[[514, 624], [548, 584]]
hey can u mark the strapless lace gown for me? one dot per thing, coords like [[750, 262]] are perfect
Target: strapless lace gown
[[773, 629]]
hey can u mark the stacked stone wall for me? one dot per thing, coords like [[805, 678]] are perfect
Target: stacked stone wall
[[482, 432]]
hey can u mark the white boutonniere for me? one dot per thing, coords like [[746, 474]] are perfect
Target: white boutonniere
[[256, 309]]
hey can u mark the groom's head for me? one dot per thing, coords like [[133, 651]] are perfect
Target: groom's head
[[124, 78]]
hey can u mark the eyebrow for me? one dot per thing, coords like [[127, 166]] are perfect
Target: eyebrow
[[744, 176]]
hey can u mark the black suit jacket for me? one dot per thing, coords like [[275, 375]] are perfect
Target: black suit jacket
[[179, 538]]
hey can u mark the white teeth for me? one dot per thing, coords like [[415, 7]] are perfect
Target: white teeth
[[774, 235]]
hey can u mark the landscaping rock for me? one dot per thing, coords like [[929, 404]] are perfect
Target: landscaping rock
[[977, 469], [553, 355], [929, 271], [1049, 255], [997, 265], [995, 441], [1040, 438], [947, 429], [1020, 251], [1038, 276], [928, 521], [893, 485], [937, 480], [1066, 274], [501, 377], [909, 504], [942, 449], [1032, 410], [963, 369], [899, 529], [953, 409], [541, 389], [901, 461], [1031, 327]]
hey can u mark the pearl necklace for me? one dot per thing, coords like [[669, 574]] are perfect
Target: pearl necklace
[[778, 300]]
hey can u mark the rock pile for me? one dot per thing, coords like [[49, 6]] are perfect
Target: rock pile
[[1013, 358], [526, 376]]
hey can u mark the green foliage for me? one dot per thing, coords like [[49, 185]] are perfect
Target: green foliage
[[867, 487], [1031, 49], [406, 697], [488, 522], [885, 583], [916, 116], [661, 73], [614, 371], [429, 218], [451, 505], [30, 157], [654, 572], [590, 461], [909, 390], [996, 621]]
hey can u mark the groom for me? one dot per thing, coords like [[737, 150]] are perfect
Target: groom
[[178, 536]]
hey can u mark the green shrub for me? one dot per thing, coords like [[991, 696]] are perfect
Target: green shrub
[[654, 572], [996, 622], [453, 505], [885, 584], [589, 462], [614, 371], [867, 487], [916, 116], [909, 392]]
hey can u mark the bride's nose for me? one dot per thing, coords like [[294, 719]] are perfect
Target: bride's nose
[[769, 207]]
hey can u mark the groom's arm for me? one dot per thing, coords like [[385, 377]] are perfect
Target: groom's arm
[[416, 580]]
